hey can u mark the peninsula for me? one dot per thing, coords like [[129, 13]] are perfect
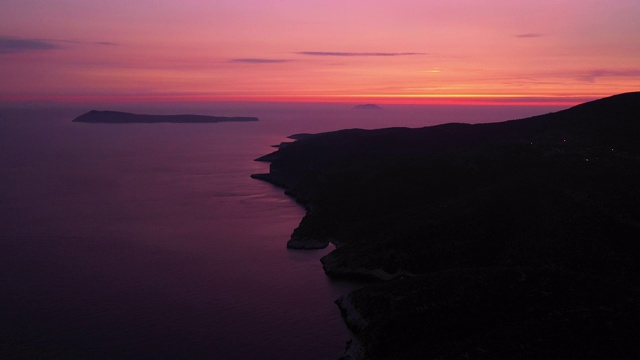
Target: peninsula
[[511, 240], [117, 117]]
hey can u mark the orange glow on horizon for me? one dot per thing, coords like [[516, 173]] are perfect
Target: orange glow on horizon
[[381, 99], [389, 52]]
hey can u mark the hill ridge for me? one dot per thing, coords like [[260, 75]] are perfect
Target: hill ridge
[[486, 235]]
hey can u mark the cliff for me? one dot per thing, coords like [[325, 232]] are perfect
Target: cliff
[[504, 240]]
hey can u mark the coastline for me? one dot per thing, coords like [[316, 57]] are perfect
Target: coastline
[[520, 213]]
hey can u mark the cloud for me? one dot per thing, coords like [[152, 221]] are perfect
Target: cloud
[[103, 43], [338, 53], [591, 76], [12, 45], [528, 35], [259, 61]]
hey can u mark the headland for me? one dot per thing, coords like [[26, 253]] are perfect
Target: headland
[[503, 240]]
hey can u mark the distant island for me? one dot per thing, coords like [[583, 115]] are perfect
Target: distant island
[[367, 107], [117, 117], [511, 240]]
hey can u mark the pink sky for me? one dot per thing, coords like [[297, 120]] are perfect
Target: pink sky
[[406, 51]]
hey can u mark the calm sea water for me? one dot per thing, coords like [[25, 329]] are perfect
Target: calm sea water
[[151, 241]]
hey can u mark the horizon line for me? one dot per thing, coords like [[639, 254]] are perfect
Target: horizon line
[[400, 99]]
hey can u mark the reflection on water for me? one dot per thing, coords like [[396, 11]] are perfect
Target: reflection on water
[[151, 240]]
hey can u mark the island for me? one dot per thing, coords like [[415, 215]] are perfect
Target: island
[[117, 117], [367, 107], [510, 240]]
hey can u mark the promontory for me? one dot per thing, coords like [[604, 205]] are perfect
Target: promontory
[[511, 240]]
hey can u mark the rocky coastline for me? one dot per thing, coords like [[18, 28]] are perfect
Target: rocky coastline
[[492, 241]]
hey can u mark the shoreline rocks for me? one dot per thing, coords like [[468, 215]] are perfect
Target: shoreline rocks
[[306, 243], [465, 314]]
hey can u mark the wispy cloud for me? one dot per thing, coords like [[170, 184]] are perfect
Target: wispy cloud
[[10, 45], [259, 61], [104, 43], [344, 54], [591, 76], [528, 35]]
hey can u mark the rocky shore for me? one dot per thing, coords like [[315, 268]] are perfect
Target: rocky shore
[[494, 241]]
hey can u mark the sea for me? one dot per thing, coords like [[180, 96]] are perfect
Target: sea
[[151, 241]]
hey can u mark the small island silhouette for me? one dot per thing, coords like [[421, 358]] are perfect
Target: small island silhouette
[[117, 117], [367, 107], [511, 240]]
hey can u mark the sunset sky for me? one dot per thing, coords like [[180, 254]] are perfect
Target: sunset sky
[[405, 51]]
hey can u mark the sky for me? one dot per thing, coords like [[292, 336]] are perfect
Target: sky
[[400, 51]]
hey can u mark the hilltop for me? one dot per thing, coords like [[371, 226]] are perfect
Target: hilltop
[[504, 240]]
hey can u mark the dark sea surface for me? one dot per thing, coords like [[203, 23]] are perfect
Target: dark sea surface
[[151, 241]]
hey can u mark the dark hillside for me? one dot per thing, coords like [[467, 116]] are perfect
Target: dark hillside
[[506, 240]]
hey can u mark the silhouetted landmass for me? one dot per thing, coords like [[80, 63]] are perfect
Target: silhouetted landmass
[[367, 107], [511, 240], [117, 117], [299, 136]]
